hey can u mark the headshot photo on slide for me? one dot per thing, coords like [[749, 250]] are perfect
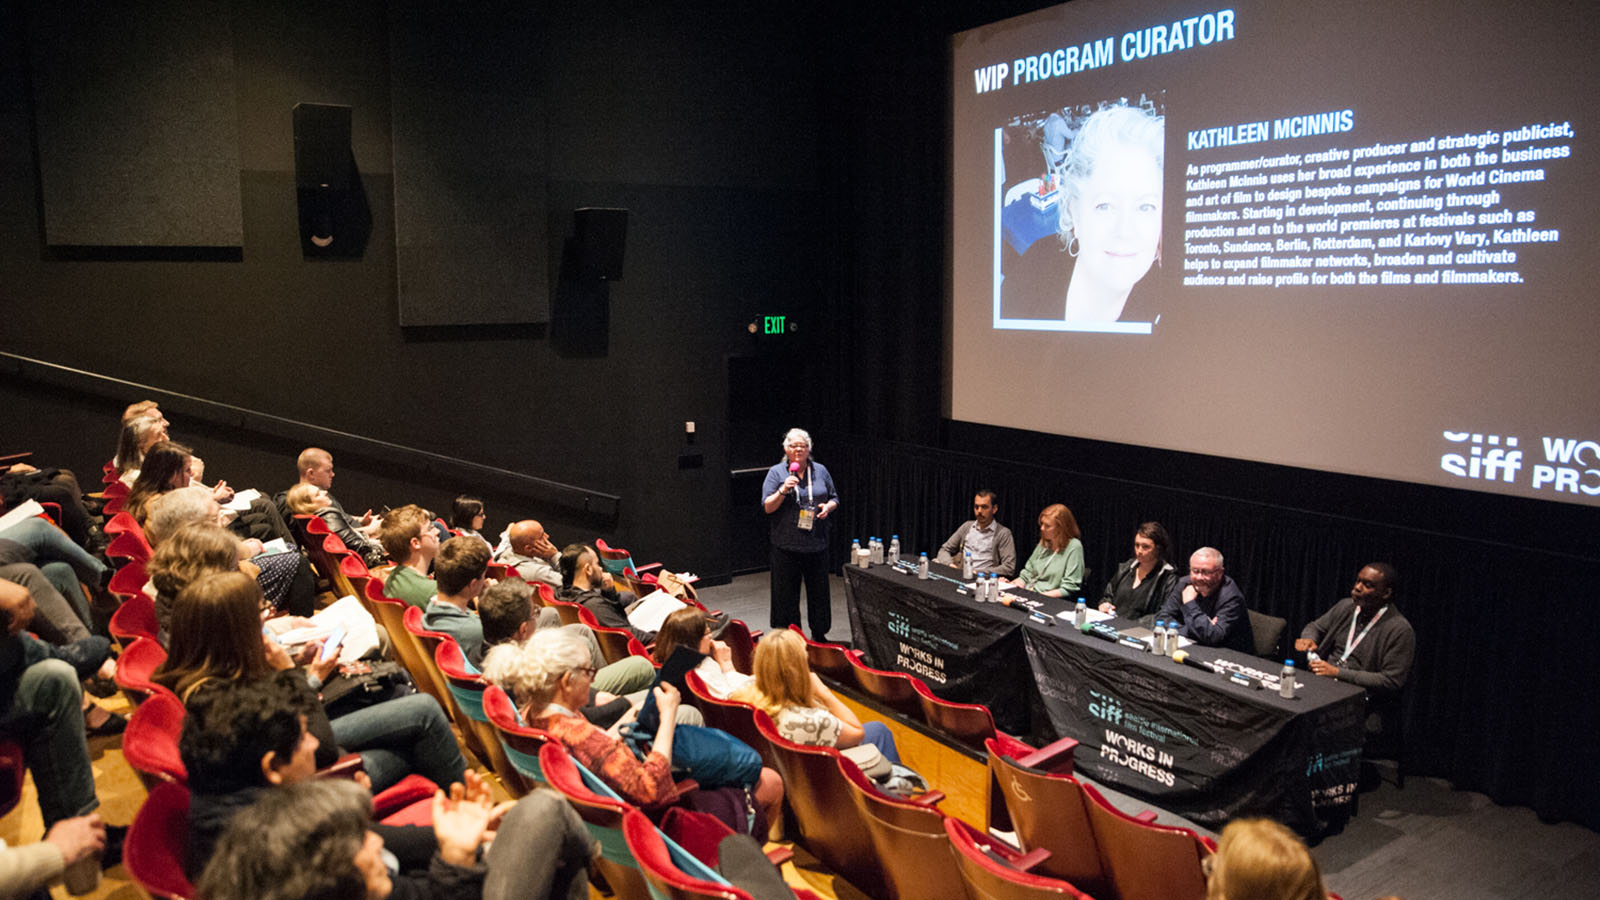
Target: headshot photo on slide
[[1079, 200]]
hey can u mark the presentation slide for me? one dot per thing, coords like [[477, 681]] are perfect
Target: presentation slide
[[1356, 237]]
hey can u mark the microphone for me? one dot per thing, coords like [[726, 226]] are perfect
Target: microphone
[[1183, 657], [1102, 631]]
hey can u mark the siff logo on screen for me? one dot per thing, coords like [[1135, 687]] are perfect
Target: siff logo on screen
[[1570, 465]]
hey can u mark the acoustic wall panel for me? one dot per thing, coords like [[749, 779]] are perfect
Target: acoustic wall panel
[[469, 167], [137, 124]]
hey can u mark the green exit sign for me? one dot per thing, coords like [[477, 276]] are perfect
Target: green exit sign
[[772, 325]]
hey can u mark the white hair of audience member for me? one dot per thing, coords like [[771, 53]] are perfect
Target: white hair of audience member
[[531, 672], [797, 434], [170, 511], [1208, 553]]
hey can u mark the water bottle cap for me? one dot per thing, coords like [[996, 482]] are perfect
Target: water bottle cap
[[1289, 663], [894, 537], [924, 556]]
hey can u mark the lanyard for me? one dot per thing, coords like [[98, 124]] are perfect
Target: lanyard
[[1352, 639]]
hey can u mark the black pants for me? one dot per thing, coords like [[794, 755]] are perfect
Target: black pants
[[788, 570]]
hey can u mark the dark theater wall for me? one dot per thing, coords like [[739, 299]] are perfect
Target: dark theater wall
[[704, 125]]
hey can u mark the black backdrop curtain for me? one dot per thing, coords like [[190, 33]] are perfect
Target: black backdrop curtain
[[1499, 699]]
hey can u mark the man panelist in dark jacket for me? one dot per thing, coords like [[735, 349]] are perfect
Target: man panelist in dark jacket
[[1209, 605]]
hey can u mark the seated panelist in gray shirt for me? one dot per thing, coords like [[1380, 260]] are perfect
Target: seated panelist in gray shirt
[[993, 549]]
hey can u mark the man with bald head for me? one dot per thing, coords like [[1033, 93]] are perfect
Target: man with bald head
[[532, 552], [1209, 606]]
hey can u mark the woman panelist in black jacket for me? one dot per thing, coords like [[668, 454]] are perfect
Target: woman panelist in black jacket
[[1137, 587]]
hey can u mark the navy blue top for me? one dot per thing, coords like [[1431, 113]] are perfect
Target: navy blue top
[[815, 488], [1232, 628]]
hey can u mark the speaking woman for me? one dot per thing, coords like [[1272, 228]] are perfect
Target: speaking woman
[[798, 496]]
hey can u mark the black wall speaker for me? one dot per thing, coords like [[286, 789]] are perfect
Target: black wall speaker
[[600, 236], [334, 217]]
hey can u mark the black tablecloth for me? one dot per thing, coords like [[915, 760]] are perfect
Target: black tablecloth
[[1187, 740]]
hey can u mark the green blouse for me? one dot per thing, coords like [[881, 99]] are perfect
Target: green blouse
[[1049, 570]]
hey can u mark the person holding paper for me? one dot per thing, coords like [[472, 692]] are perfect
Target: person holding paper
[[798, 496]]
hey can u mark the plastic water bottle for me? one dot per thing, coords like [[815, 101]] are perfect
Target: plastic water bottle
[[1286, 685], [1173, 634], [855, 550], [1158, 641], [894, 549], [991, 588], [922, 567], [966, 565], [1080, 614], [980, 588]]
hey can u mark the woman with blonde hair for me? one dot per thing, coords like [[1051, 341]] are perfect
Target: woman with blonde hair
[[802, 707], [1259, 859], [309, 500], [1055, 568]]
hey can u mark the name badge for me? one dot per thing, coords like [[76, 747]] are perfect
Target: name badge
[[807, 520]]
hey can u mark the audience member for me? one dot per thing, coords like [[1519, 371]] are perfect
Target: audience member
[[549, 677], [507, 614], [140, 432], [1139, 586], [467, 517], [691, 627], [63, 562], [801, 706], [408, 537], [1210, 605], [315, 466], [315, 839], [217, 636], [165, 468], [310, 500], [21, 482], [1259, 859], [991, 544], [28, 870], [285, 577], [1377, 657], [589, 584], [461, 573], [1055, 567], [530, 550], [40, 703]]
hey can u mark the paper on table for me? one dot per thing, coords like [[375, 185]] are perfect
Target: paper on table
[[1095, 615], [242, 499], [649, 613]]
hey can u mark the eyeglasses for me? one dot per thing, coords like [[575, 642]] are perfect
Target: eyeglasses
[[1204, 572], [588, 670]]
